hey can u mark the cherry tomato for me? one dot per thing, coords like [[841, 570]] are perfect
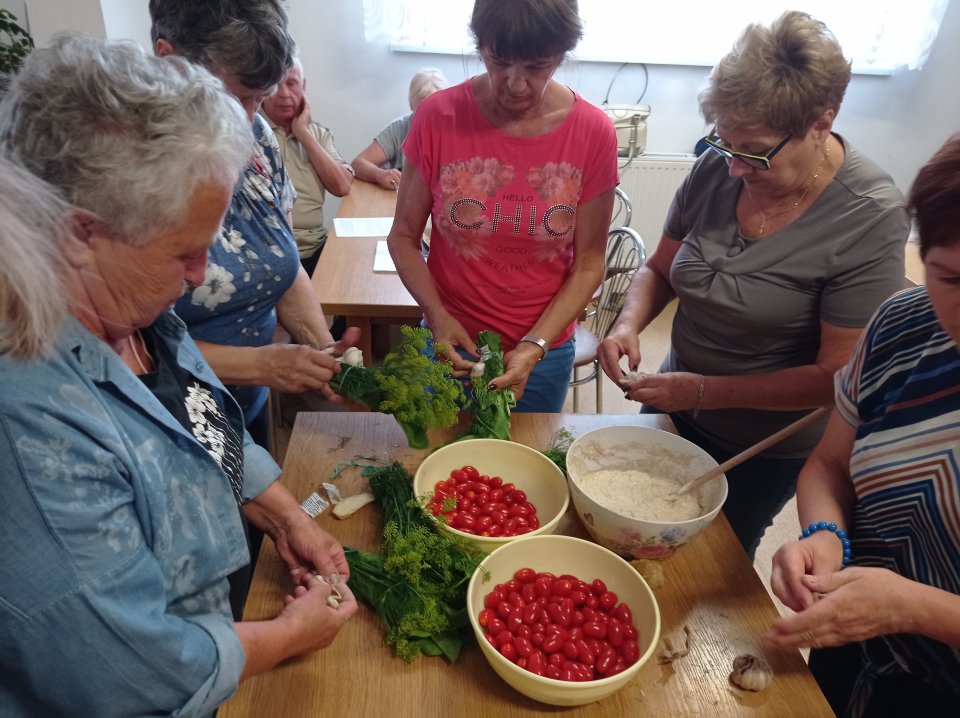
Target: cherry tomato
[[471, 473], [483, 618], [552, 643], [508, 651], [536, 662], [605, 661], [608, 599], [458, 475], [595, 630], [561, 587], [615, 632], [630, 652], [496, 624], [623, 613], [598, 587], [525, 575], [523, 646]]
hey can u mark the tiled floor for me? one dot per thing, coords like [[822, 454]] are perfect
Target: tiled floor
[[654, 343]]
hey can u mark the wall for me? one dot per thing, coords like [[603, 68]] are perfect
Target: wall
[[355, 88]]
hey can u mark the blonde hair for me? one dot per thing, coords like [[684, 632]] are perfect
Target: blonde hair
[[32, 297], [781, 77], [425, 83]]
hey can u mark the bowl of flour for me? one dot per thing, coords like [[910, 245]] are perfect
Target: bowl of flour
[[623, 481]]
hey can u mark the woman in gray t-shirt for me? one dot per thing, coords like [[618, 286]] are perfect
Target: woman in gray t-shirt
[[779, 246]]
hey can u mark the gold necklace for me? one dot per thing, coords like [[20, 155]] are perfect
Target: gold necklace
[[136, 354], [813, 181]]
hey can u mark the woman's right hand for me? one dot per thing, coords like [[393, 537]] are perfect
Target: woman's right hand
[[295, 368], [448, 331], [818, 554], [313, 621], [617, 344], [389, 179]]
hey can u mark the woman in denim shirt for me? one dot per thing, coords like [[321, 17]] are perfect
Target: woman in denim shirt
[[128, 475]]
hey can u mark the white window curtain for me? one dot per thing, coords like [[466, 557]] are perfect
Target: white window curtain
[[879, 36]]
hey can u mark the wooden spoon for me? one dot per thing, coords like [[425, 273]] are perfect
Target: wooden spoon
[[747, 453]]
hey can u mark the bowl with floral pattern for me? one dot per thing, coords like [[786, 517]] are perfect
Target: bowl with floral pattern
[[621, 482]]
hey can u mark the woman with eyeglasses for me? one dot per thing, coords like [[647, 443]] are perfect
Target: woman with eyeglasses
[[779, 246]]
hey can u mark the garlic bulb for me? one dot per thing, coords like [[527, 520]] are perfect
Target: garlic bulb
[[751, 672], [352, 356]]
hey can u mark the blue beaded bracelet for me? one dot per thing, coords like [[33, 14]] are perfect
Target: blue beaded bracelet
[[841, 534]]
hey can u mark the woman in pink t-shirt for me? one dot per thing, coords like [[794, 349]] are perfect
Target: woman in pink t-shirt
[[518, 174]]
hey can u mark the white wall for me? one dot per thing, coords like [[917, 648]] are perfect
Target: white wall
[[48, 17], [355, 88]]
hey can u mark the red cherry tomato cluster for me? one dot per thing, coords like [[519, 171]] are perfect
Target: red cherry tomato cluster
[[482, 505], [559, 626]]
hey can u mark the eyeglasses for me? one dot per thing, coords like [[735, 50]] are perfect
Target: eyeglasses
[[758, 162]]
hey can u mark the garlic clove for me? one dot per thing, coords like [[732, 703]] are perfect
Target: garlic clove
[[352, 356], [751, 673]]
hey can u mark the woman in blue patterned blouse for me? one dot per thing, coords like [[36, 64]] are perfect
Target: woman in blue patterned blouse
[[254, 279], [881, 493]]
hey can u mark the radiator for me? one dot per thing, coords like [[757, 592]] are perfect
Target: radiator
[[650, 182]]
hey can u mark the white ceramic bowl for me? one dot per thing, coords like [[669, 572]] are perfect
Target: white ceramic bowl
[[526, 468], [586, 561], [655, 452]]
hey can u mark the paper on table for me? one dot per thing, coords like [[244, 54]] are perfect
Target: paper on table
[[362, 226], [382, 261]]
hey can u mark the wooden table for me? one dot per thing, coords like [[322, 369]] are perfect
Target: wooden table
[[710, 586], [344, 276]]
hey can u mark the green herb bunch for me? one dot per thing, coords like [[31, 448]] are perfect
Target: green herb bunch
[[418, 585], [490, 407], [417, 389]]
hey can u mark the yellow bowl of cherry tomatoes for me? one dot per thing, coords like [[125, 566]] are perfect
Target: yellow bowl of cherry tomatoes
[[491, 491], [562, 620]]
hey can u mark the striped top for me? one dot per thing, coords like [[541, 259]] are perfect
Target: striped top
[[901, 390]]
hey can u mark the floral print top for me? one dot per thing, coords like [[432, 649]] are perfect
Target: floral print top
[[505, 207], [251, 264]]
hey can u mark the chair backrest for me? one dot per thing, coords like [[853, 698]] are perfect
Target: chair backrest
[[625, 255], [622, 209]]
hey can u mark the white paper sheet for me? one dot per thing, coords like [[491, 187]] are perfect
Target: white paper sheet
[[362, 226], [382, 261]]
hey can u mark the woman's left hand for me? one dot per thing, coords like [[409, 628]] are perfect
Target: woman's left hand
[[305, 547], [672, 391], [855, 604]]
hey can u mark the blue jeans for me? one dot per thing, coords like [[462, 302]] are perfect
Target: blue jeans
[[549, 381], [757, 489]]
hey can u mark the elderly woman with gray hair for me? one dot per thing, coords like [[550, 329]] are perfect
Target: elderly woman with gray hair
[[381, 160], [128, 475], [779, 245], [254, 279]]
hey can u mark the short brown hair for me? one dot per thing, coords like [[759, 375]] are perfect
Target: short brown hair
[[782, 77], [935, 198], [526, 29]]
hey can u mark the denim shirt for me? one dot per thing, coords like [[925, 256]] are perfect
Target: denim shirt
[[118, 533]]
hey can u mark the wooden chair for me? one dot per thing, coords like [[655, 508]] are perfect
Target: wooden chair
[[622, 210], [625, 255]]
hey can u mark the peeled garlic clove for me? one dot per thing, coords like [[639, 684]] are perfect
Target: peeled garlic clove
[[751, 672], [351, 504], [630, 377], [477, 370]]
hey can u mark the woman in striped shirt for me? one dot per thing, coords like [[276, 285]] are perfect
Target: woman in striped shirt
[[886, 631]]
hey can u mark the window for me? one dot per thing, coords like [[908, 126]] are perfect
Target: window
[[879, 36]]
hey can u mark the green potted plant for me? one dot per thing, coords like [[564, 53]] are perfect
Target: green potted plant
[[15, 43]]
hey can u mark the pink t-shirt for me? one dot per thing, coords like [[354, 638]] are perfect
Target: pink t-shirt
[[505, 208]]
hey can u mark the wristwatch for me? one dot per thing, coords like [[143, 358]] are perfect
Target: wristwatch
[[542, 343]]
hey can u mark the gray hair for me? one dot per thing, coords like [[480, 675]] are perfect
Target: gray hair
[[32, 304], [782, 77], [123, 134], [246, 39], [424, 83]]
